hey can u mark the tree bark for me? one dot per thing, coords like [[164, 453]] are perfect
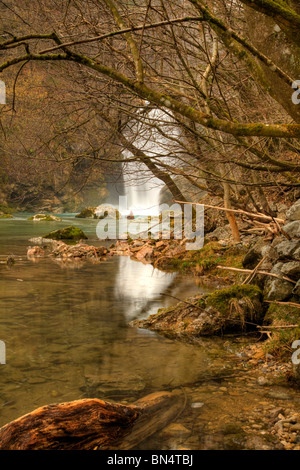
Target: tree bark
[[91, 424]]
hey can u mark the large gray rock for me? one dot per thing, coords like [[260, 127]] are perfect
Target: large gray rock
[[277, 289], [256, 252], [293, 229], [291, 269], [289, 249], [219, 233], [294, 212]]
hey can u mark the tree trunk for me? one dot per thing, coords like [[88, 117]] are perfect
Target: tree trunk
[[230, 215], [91, 424]]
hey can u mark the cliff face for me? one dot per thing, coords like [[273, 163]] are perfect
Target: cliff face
[[28, 197]]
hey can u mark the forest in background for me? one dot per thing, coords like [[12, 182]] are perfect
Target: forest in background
[[83, 80]]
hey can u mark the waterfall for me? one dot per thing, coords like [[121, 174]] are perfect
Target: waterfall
[[141, 187]]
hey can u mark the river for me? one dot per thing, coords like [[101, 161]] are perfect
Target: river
[[67, 337]]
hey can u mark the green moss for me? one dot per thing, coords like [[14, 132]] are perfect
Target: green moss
[[279, 345], [67, 233], [6, 209], [282, 315], [280, 340], [206, 259], [220, 299], [6, 216]]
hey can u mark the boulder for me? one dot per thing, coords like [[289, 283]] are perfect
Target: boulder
[[258, 249], [219, 233], [294, 212], [277, 289], [67, 233], [288, 249], [292, 229], [291, 269]]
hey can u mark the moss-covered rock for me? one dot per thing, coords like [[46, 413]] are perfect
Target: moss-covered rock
[[221, 299], [87, 213], [67, 233], [234, 309], [99, 212], [6, 216], [207, 258], [280, 340]]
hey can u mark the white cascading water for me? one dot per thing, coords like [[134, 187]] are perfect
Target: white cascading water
[[141, 187]]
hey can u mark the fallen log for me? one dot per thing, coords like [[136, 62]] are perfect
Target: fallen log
[[91, 424]]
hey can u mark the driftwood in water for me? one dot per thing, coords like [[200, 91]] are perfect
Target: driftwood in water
[[91, 424]]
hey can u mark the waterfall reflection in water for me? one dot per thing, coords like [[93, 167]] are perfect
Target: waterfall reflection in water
[[140, 285]]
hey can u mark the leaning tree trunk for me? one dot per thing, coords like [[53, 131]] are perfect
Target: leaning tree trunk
[[230, 216], [91, 424]]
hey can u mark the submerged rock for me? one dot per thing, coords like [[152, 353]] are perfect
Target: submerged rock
[[44, 217], [67, 233], [35, 251], [79, 251]]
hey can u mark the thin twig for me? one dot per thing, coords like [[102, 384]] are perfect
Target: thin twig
[[238, 211], [251, 275], [278, 327], [282, 278], [291, 304], [185, 301]]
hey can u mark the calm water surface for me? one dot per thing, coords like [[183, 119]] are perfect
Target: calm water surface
[[67, 335]]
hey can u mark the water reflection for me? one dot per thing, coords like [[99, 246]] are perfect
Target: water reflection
[[67, 336], [140, 286]]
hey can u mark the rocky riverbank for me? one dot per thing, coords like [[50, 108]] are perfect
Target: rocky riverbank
[[257, 283]]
